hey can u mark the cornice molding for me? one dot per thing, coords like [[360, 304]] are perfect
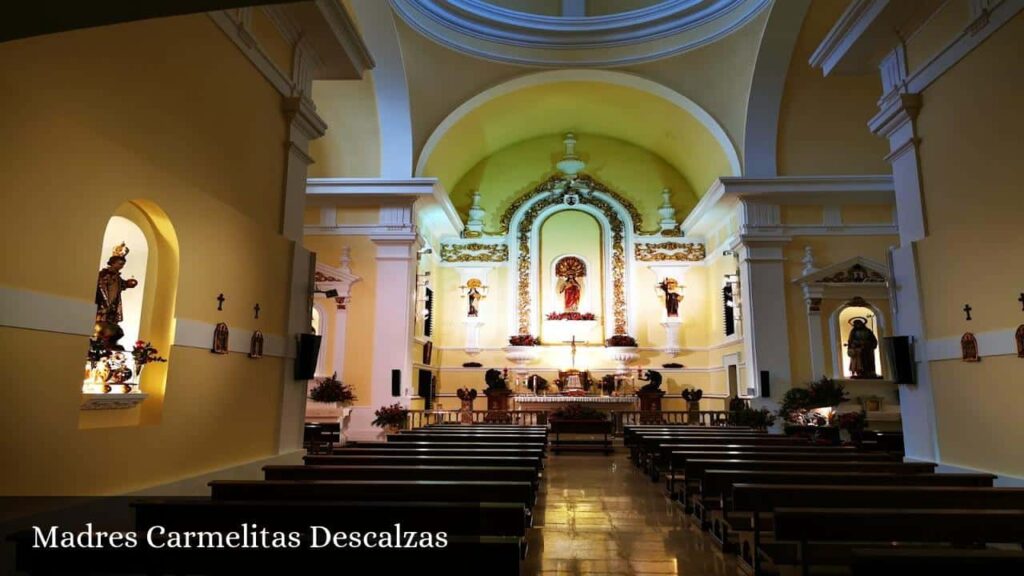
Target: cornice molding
[[854, 21]]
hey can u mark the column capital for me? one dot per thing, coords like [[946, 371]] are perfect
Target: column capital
[[895, 113]]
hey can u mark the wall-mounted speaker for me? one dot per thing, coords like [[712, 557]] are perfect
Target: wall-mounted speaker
[[899, 355], [766, 384], [306, 354], [396, 382]]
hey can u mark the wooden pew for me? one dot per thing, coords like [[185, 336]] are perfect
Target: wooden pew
[[461, 518], [439, 450], [447, 446], [676, 459], [630, 431], [375, 490], [706, 497], [650, 447], [810, 527], [438, 437], [903, 561], [751, 505], [426, 460], [499, 473]]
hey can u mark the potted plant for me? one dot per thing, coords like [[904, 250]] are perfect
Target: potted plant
[[853, 424], [758, 419], [330, 390], [391, 418]]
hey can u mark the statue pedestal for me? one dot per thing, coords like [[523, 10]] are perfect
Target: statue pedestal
[[650, 406], [693, 412], [498, 405], [473, 335], [671, 326], [466, 412]]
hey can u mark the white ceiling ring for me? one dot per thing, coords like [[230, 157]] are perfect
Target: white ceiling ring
[[582, 75], [489, 31]]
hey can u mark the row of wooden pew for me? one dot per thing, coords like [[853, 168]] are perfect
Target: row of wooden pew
[[477, 484], [785, 505]]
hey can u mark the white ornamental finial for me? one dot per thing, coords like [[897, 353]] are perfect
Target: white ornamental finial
[[475, 226], [570, 165], [667, 212], [808, 261]]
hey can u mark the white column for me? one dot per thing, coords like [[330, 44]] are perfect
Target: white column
[[895, 122], [340, 322], [766, 339], [812, 299]]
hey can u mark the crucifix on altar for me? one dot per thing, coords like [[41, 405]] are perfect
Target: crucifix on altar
[[572, 378]]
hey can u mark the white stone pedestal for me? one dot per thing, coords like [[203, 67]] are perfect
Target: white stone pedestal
[[473, 335], [671, 326]]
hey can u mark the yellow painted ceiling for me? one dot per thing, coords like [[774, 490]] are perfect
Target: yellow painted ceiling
[[628, 114]]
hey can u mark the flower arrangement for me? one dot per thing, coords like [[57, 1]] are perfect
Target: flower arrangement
[[143, 353], [758, 419], [393, 415], [693, 395], [523, 340], [621, 340], [578, 412], [466, 394], [575, 316], [332, 391], [852, 421], [798, 403]]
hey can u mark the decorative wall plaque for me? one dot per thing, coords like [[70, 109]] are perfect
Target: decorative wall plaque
[[854, 275], [474, 252], [220, 339], [1019, 337], [256, 345], [969, 348], [669, 251]]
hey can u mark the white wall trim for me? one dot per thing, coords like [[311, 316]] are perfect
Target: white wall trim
[[854, 21], [991, 343], [252, 50], [609, 370], [719, 346], [811, 230], [32, 310], [196, 334]]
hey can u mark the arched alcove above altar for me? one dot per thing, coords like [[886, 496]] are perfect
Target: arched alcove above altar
[[572, 277]]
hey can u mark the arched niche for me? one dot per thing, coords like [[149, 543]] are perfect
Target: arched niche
[[148, 309], [571, 242], [840, 325]]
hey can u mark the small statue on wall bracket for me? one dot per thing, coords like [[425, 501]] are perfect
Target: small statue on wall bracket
[[256, 345], [220, 339], [1019, 337], [969, 348], [672, 297]]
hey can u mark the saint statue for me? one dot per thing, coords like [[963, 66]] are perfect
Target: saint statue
[[860, 347], [571, 291], [109, 288], [474, 299], [672, 297]]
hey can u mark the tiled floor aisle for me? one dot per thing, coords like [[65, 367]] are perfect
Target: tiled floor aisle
[[599, 515]]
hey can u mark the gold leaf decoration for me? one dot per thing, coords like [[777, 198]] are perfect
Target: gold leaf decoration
[[474, 252], [669, 252]]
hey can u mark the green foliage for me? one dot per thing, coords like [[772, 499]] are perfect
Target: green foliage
[[393, 415], [759, 419], [331, 390], [578, 412]]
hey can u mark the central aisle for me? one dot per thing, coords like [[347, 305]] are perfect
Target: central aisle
[[599, 515]]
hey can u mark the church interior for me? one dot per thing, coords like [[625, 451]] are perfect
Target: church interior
[[592, 286]]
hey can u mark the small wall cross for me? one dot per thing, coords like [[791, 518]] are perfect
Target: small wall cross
[[967, 310], [256, 309], [220, 301]]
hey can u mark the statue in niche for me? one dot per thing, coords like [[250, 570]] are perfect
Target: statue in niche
[[220, 339], [1019, 337], [672, 297], [860, 347], [109, 311], [474, 296], [570, 271], [969, 348]]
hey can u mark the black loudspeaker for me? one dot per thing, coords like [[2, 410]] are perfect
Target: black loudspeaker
[[306, 355], [899, 354], [766, 385], [396, 382]]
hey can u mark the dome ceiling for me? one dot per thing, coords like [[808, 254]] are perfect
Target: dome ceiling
[[600, 33]]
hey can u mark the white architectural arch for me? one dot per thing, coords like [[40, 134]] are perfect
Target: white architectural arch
[[583, 75]]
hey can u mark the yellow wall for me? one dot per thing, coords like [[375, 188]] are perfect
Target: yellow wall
[[99, 117], [351, 147], [633, 172], [358, 368], [941, 27], [822, 121], [827, 250], [971, 174]]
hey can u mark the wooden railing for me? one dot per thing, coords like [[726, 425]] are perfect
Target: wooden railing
[[421, 418]]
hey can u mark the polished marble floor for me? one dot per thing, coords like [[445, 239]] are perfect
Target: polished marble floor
[[598, 515]]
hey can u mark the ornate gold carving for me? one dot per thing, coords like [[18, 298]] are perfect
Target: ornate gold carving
[[474, 252], [618, 258], [855, 274], [669, 252]]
